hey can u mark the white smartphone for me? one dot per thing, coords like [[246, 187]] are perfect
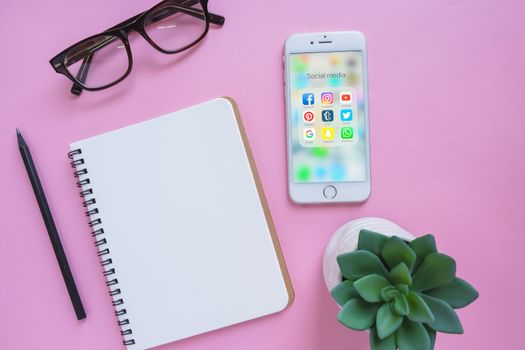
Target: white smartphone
[[326, 92]]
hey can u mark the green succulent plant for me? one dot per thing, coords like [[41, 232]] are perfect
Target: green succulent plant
[[403, 292]]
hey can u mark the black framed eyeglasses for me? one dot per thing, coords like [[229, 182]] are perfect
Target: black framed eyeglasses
[[105, 59]]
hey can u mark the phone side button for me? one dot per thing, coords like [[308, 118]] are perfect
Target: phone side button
[[329, 192]]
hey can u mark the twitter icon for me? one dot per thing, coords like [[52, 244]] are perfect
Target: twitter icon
[[346, 115]]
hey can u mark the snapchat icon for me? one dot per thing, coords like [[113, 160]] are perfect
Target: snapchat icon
[[328, 134]]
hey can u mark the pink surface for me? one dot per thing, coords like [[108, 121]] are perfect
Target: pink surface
[[447, 108]]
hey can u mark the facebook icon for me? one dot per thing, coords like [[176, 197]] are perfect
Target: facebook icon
[[308, 99]]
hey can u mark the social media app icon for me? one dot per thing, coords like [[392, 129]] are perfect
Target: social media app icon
[[308, 116], [346, 115], [327, 115], [328, 134], [309, 134], [346, 98], [308, 99], [347, 132], [327, 98]]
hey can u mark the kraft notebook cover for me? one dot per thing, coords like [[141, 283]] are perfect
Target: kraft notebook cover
[[181, 223]]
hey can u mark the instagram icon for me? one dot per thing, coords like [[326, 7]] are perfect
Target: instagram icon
[[327, 98]]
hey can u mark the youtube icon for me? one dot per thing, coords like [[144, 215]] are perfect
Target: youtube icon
[[345, 98]]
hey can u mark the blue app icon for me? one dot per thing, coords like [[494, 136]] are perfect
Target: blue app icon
[[308, 99], [338, 172], [346, 115], [327, 115]]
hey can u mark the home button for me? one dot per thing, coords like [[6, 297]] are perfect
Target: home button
[[330, 192]]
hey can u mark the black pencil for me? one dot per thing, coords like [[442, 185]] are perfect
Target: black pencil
[[51, 228]]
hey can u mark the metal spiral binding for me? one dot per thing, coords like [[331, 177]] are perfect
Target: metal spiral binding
[[101, 240]]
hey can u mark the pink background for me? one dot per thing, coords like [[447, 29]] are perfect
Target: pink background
[[447, 110]]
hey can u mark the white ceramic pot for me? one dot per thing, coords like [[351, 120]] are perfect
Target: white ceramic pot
[[345, 239]]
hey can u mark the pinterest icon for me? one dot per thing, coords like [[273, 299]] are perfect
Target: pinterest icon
[[308, 116]]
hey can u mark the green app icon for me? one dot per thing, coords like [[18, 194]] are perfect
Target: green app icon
[[347, 132]]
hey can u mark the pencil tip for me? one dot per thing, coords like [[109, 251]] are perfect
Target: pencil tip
[[19, 137]]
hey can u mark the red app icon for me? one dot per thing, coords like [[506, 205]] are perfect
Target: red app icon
[[308, 116], [345, 98]]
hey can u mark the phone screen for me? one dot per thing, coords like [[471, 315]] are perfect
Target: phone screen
[[327, 117]]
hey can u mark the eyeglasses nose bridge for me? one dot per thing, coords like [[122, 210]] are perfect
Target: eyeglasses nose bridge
[[124, 36], [137, 27]]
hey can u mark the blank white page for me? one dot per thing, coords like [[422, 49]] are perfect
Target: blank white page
[[186, 224]]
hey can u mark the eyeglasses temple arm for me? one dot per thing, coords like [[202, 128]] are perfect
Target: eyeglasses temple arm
[[76, 89], [216, 19], [212, 17]]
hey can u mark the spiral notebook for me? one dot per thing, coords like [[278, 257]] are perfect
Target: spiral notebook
[[182, 227]]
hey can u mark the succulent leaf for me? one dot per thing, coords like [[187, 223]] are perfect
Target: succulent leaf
[[396, 251], [418, 309], [412, 336], [389, 343], [360, 263], [371, 241], [357, 314], [388, 293], [446, 319], [403, 288], [435, 271], [400, 275], [387, 322], [423, 246], [432, 335], [459, 293], [343, 292], [401, 305], [369, 287]]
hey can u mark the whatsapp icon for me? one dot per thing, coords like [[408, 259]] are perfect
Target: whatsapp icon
[[347, 132]]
